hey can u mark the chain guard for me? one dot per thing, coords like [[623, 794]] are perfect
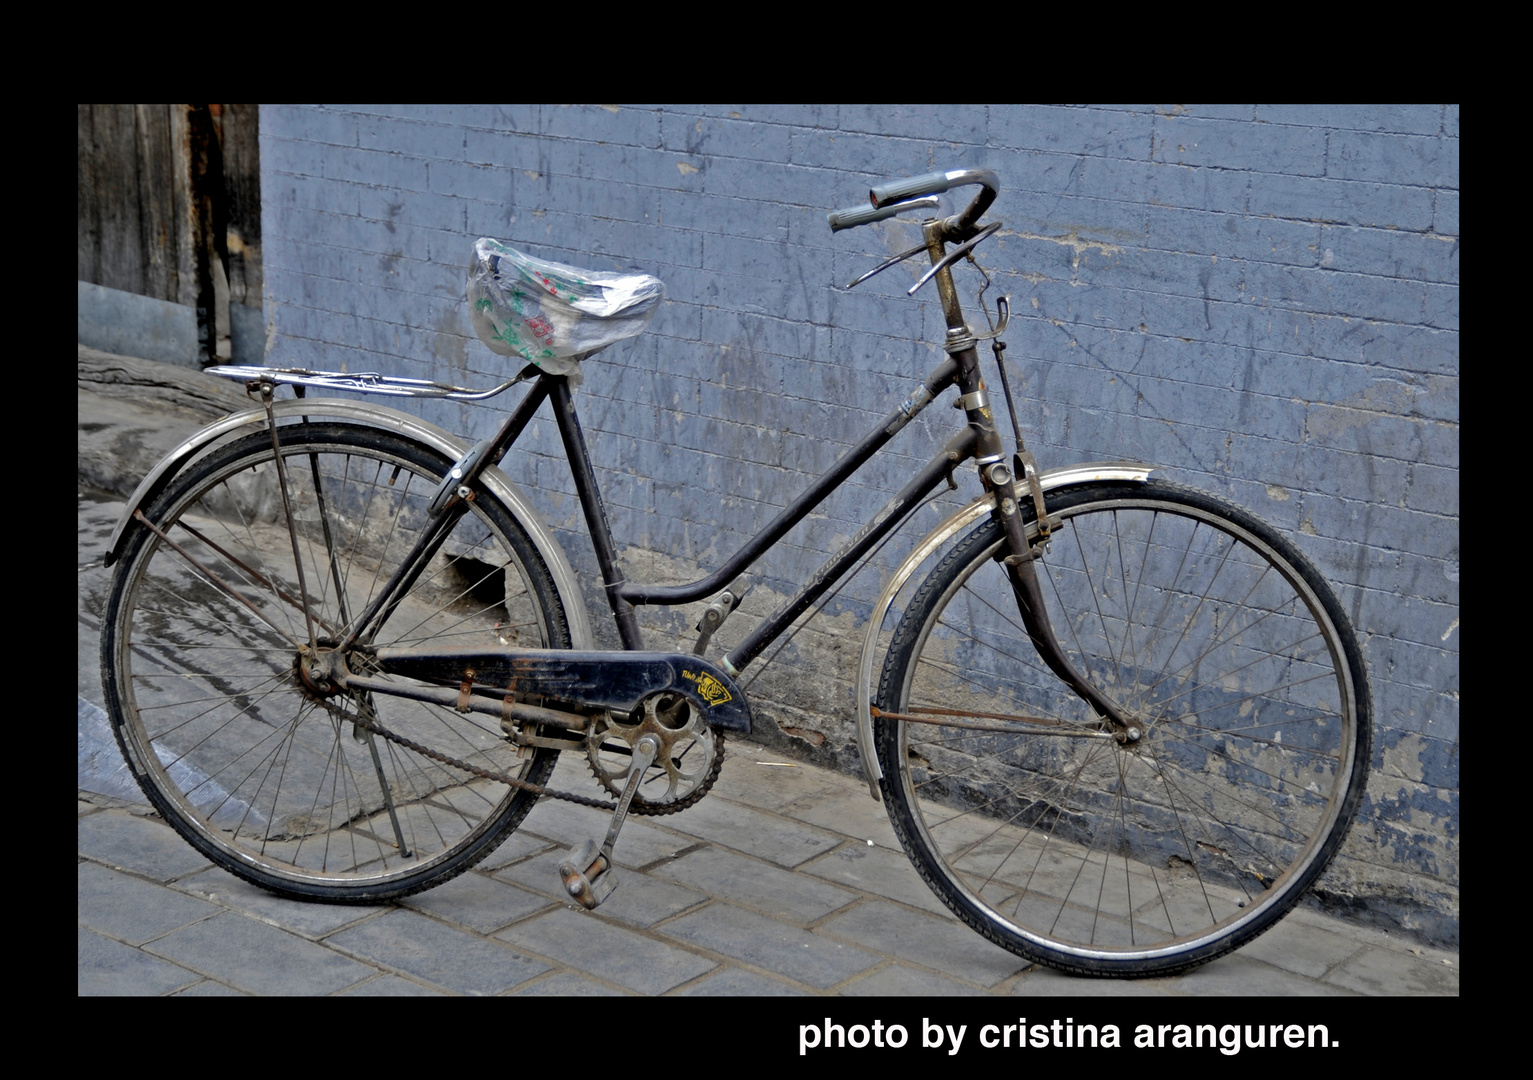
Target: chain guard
[[691, 754]]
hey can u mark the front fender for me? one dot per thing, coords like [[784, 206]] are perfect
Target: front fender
[[1052, 480], [411, 427]]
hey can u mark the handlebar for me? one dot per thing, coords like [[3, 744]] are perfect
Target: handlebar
[[853, 216], [897, 196]]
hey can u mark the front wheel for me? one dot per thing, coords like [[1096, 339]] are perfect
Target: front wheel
[[206, 644], [1070, 843]]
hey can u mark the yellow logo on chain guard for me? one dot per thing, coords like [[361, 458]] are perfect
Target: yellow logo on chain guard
[[708, 688]]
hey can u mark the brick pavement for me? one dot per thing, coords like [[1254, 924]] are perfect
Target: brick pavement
[[786, 880]]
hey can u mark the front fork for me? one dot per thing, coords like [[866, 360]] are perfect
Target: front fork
[[1001, 485]]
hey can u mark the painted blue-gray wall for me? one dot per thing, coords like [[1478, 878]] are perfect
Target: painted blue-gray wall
[[1263, 300]]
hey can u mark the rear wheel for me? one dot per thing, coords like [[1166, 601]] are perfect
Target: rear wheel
[[264, 769], [1071, 845]]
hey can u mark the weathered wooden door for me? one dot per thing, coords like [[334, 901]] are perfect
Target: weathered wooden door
[[169, 208]]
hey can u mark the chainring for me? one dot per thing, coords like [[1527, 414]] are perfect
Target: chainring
[[691, 754]]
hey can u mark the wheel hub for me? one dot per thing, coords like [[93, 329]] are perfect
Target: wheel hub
[[317, 671]]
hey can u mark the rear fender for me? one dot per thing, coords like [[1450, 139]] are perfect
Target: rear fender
[[380, 416]]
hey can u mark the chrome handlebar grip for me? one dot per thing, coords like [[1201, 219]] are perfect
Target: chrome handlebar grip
[[959, 226], [852, 216]]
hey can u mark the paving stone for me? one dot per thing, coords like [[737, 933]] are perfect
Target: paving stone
[[641, 899], [310, 920], [566, 984], [878, 871], [104, 967], [771, 945], [757, 884], [900, 980], [942, 944], [565, 824], [477, 902], [261, 959], [519, 845], [390, 986], [756, 776], [209, 988], [850, 813], [733, 982], [756, 832], [577, 939], [1302, 947], [1387, 971], [639, 844], [540, 874], [102, 769], [1237, 973], [131, 909], [645, 898], [142, 845], [450, 958]]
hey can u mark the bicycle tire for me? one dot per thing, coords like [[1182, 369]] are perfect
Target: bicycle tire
[[271, 781], [1114, 858]]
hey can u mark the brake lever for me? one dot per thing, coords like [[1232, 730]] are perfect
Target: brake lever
[[881, 267], [953, 256]]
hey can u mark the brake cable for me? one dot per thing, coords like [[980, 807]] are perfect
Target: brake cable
[[1023, 463]]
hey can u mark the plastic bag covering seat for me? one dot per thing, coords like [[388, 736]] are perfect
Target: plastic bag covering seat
[[550, 314]]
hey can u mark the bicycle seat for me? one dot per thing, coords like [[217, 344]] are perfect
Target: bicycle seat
[[550, 314]]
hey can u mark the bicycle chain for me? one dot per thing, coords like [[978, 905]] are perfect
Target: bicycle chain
[[474, 770]]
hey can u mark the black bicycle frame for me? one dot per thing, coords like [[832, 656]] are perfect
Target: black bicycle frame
[[623, 596], [979, 438]]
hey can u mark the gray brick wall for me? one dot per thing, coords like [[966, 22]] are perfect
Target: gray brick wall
[[1263, 300]]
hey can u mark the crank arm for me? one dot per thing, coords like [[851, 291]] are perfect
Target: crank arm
[[587, 871]]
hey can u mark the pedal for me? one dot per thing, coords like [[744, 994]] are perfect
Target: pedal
[[588, 875]]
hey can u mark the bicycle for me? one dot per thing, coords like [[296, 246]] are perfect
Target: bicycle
[[1121, 727]]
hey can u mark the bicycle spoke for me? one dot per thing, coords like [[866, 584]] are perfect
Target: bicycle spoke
[[1120, 854], [221, 699]]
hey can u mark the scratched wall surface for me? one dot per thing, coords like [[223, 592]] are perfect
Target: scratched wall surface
[[1260, 300]]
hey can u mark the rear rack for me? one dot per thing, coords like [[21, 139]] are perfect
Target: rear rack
[[363, 382]]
